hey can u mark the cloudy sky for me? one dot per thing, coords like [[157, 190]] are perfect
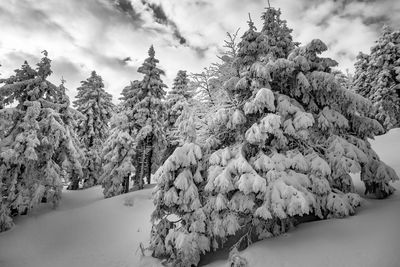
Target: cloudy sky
[[113, 36]]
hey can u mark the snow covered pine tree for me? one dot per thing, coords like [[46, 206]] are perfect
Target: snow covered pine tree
[[177, 98], [377, 77], [97, 107], [150, 112], [37, 143], [178, 231], [292, 136], [71, 170], [120, 147]]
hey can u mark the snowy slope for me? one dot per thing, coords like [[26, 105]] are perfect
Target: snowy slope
[[87, 230]]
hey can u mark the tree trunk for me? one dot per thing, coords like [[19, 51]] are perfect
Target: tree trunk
[[142, 162], [74, 185], [125, 184], [149, 159]]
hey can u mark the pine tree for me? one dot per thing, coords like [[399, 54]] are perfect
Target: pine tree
[[285, 148], [97, 107], [149, 115], [71, 117], [119, 150], [179, 222], [296, 136], [177, 98], [275, 40], [377, 77], [248, 47], [37, 143]]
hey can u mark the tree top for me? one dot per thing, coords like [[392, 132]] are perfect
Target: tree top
[[151, 51]]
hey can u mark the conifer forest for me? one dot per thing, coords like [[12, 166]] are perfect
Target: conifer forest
[[199, 133]]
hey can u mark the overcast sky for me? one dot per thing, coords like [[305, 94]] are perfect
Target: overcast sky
[[113, 36]]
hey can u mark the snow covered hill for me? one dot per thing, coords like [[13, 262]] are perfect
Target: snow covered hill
[[87, 230]]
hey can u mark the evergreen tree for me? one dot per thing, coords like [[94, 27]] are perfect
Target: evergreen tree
[[97, 107], [177, 98], [179, 222], [275, 39], [285, 148], [71, 170], [37, 144], [149, 115], [248, 48], [137, 130], [296, 136], [119, 150], [377, 77]]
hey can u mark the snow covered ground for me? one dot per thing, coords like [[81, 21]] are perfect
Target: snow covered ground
[[87, 230]]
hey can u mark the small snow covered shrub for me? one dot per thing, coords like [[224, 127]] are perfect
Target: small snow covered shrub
[[6, 221], [235, 260], [129, 201]]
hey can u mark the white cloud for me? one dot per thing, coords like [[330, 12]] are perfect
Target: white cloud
[[82, 36]]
